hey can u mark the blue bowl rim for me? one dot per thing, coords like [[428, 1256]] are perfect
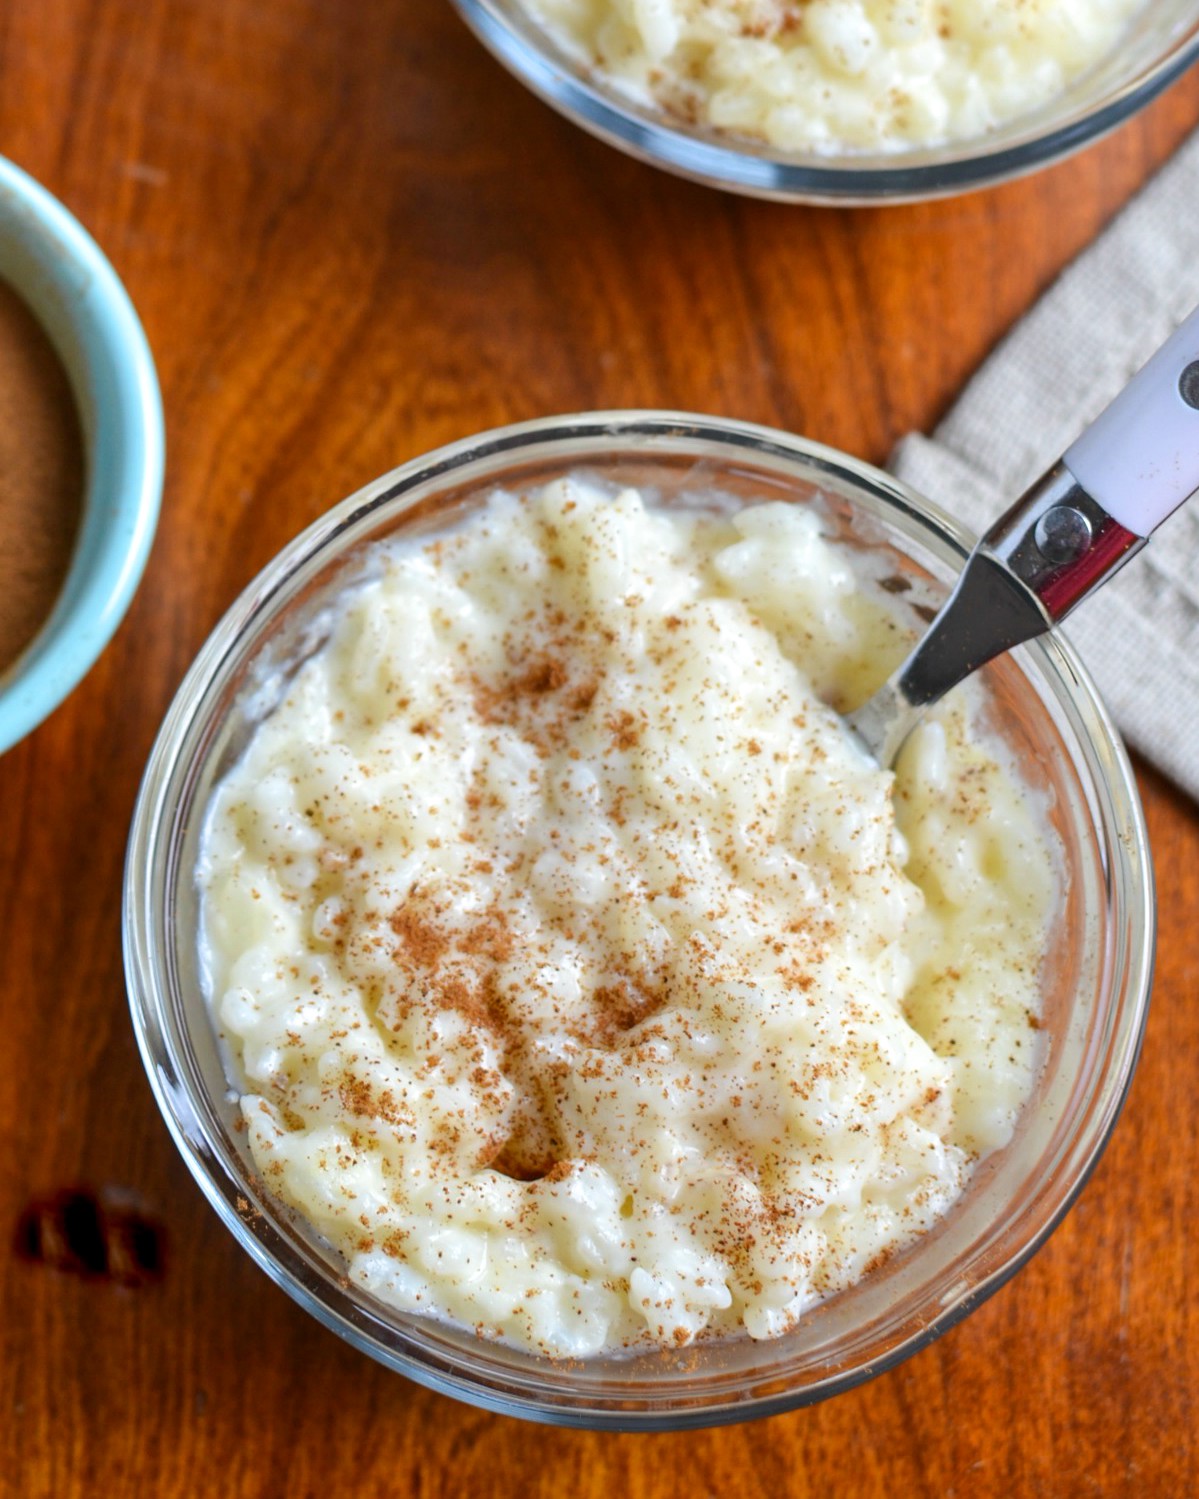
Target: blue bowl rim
[[100, 340]]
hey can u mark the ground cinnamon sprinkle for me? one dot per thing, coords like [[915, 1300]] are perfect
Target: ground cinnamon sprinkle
[[41, 476]]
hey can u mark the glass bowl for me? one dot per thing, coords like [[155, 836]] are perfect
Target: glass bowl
[[1162, 41], [1096, 981]]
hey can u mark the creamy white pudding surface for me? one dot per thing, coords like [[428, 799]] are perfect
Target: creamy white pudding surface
[[827, 75], [584, 983]]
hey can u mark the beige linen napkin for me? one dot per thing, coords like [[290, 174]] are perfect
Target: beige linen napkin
[[1095, 327]]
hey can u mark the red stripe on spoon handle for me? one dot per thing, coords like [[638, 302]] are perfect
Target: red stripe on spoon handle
[[1065, 587]]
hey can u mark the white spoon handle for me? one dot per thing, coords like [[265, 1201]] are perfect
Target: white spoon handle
[[1140, 457]]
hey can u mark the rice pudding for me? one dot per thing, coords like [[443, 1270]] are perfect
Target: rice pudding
[[582, 981], [836, 75]]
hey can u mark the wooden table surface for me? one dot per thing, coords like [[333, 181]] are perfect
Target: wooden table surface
[[351, 237]]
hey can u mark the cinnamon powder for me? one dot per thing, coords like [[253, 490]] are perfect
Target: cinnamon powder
[[41, 476]]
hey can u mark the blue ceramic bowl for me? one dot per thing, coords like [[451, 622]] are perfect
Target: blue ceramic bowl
[[55, 265]]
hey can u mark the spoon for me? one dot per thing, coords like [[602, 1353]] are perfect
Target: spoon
[[1076, 526]]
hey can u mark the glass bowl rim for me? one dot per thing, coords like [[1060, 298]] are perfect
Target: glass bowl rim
[[148, 980], [965, 166]]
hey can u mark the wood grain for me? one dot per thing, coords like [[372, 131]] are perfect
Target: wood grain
[[351, 237]]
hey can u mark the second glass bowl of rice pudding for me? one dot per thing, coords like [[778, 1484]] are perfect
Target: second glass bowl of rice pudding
[[843, 100], [550, 994]]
